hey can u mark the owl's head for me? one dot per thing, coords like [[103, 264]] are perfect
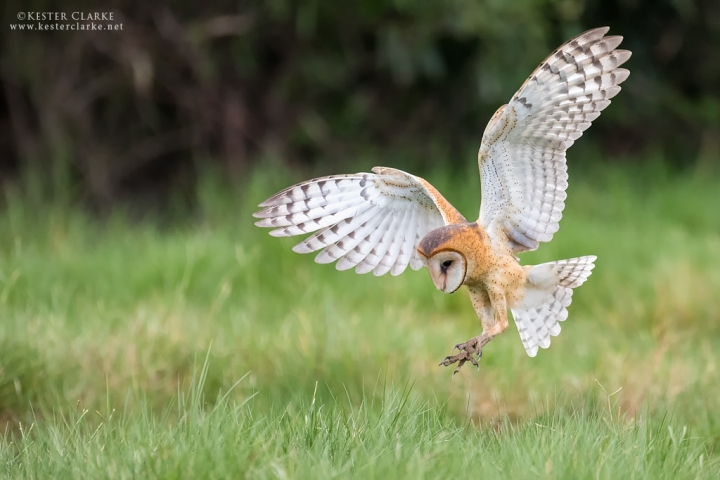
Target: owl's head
[[440, 252]]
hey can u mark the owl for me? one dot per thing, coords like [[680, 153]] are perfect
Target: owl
[[383, 221]]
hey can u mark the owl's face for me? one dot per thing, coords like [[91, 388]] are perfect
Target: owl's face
[[441, 251], [447, 269]]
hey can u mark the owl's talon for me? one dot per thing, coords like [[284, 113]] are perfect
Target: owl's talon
[[467, 352]]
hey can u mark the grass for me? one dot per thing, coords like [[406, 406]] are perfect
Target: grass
[[207, 349]]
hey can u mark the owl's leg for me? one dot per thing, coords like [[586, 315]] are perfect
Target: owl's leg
[[492, 310]]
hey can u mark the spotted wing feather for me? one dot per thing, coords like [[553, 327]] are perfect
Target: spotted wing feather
[[522, 156], [370, 221]]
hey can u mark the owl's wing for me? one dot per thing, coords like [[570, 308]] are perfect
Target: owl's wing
[[522, 155], [371, 221]]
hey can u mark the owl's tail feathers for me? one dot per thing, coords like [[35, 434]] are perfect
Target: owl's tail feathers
[[548, 293]]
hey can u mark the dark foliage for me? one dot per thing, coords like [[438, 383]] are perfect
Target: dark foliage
[[102, 115]]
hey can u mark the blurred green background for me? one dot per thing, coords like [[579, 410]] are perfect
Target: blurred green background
[[149, 330]]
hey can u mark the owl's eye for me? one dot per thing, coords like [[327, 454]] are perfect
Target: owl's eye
[[447, 263]]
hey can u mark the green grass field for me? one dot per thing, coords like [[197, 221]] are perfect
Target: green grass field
[[207, 349]]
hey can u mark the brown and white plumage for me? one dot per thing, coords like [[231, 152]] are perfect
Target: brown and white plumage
[[386, 220]]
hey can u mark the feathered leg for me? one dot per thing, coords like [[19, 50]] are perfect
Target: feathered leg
[[491, 308]]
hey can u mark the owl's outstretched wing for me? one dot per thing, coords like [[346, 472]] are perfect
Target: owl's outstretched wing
[[522, 155], [370, 221]]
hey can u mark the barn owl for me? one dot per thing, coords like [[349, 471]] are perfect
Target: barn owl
[[386, 220]]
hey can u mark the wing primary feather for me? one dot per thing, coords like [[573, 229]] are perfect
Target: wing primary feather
[[406, 246], [356, 226], [423, 222], [388, 260], [381, 246], [333, 214], [322, 186], [358, 247]]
